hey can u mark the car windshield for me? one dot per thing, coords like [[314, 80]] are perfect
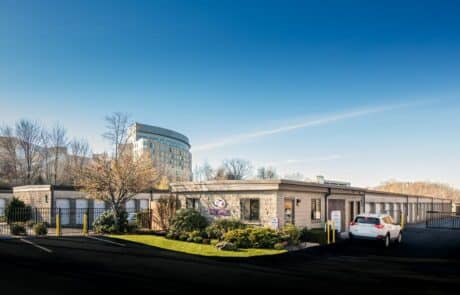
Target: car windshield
[[367, 220]]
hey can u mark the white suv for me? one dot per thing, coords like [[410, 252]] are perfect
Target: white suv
[[379, 227]]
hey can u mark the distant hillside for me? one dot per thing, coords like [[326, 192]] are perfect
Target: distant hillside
[[421, 188]]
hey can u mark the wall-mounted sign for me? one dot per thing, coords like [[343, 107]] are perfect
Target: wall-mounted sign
[[219, 203], [274, 223], [219, 212]]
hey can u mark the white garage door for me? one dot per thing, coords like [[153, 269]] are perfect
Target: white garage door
[[144, 205], [99, 208], [81, 206], [130, 206], [2, 207], [64, 205], [377, 208]]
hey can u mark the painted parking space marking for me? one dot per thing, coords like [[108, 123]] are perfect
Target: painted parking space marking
[[106, 241], [36, 245]]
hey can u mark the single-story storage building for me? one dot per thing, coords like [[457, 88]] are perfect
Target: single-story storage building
[[47, 199], [275, 203]]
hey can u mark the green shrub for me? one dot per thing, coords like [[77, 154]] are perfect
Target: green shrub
[[279, 246], [169, 235], [198, 240], [291, 234], [304, 233], [183, 237], [18, 229], [265, 238], [239, 237], [221, 226], [226, 246], [187, 220], [206, 241], [106, 223], [40, 229], [17, 211], [214, 242]]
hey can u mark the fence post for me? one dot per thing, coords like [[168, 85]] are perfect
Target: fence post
[[58, 223], [36, 215], [402, 220]]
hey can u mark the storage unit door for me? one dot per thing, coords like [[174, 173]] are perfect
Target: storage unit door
[[81, 208], [130, 206], [144, 205], [64, 205], [2, 207]]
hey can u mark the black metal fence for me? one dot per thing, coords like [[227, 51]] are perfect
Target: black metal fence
[[71, 220], [439, 219]]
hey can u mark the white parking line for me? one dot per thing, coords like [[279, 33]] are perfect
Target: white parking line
[[106, 241], [36, 245]]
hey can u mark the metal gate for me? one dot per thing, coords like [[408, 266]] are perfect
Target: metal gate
[[439, 219]]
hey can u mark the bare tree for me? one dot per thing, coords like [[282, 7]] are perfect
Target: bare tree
[[163, 210], [266, 173], [117, 180], [45, 151], [28, 136], [78, 157], [117, 134], [59, 143], [203, 172], [237, 169], [8, 157]]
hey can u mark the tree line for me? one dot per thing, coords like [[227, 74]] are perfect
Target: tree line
[[233, 169], [33, 154], [421, 188]]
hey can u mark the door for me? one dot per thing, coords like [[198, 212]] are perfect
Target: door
[[337, 205], [99, 208], [64, 205], [288, 211], [130, 206], [351, 216], [144, 205], [82, 206], [2, 207]]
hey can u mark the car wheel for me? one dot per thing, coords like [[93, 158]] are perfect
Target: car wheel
[[386, 241], [399, 239]]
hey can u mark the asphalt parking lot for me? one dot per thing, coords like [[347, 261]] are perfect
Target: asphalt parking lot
[[427, 263]]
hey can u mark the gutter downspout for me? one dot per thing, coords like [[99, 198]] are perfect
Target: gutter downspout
[[325, 204]]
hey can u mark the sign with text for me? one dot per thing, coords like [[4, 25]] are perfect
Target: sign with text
[[219, 212], [336, 217]]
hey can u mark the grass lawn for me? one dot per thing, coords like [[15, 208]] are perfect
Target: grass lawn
[[193, 248]]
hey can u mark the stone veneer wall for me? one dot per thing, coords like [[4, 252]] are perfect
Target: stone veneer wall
[[267, 200]]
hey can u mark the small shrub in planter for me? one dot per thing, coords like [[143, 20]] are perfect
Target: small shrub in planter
[[220, 227], [226, 246], [106, 223], [280, 246], [198, 240], [187, 220], [40, 229], [239, 237], [291, 234], [264, 238], [18, 229], [30, 224]]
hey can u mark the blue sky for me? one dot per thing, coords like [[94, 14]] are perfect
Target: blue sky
[[354, 90]]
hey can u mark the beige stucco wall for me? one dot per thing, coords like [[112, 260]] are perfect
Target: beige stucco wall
[[302, 211], [38, 196]]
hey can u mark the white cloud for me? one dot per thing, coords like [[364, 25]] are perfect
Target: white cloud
[[239, 138]]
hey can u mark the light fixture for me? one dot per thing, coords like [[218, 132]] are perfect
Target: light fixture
[[297, 202], [46, 198]]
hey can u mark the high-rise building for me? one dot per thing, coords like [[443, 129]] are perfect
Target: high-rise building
[[169, 150]]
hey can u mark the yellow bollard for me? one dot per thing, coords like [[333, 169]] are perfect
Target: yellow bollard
[[58, 223], [402, 220], [333, 233], [327, 233], [85, 223]]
